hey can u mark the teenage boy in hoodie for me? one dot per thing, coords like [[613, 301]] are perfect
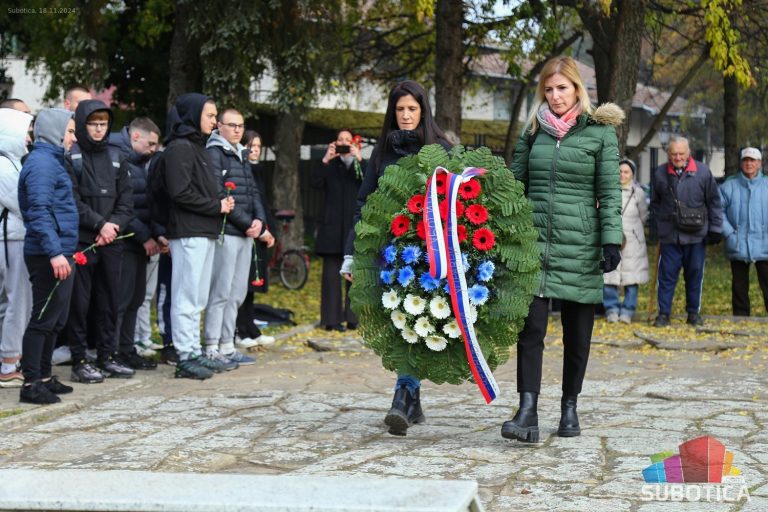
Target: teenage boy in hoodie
[[15, 291], [105, 203], [50, 217], [232, 258], [194, 221], [137, 142]]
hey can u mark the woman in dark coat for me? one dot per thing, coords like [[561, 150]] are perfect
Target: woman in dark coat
[[339, 176], [408, 126]]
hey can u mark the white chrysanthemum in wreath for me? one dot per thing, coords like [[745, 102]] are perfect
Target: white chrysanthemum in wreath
[[390, 299], [398, 318], [439, 308], [410, 336], [423, 327], [436, 343], [414, 304], [451, 329]]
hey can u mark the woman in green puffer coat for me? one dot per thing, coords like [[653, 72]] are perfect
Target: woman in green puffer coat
[[568, 160]]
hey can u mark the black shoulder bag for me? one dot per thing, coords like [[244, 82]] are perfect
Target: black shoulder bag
[[687, 219]]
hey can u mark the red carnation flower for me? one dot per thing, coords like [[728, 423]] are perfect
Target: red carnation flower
[[416, 204], [400, 225], [257, 282], [443, 206], [476, 214], [470, 189], [461, 230], [80, 258], [421, 230], [229, 185], [483, 239]]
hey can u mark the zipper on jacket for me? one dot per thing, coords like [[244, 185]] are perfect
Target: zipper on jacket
[[545, 264]]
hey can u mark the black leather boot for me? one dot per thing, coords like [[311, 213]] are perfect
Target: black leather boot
[[405, 411], [525, 425], [569, 421]]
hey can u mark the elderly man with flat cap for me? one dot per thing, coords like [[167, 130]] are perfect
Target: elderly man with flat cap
[[745, 228]]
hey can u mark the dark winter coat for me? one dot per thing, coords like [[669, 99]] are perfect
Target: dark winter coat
[[136, 166], [47, 203], [340, 186], [229, 165], [573, 185], [401, 143], [190, 181], [102, 188], [696, 187]]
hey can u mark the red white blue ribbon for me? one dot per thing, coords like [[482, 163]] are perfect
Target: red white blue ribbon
[[445, 260]]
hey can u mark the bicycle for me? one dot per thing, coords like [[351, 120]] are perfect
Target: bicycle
[[292, 265]]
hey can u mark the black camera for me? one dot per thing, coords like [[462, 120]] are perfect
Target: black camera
[[342, 149]]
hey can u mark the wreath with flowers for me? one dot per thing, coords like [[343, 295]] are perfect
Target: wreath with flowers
[[407, 314]]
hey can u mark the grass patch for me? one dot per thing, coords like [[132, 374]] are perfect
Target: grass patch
[[10, 412]]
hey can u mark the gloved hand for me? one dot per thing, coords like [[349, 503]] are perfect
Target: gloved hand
[[713, 238], [346, 267], [611, 257]]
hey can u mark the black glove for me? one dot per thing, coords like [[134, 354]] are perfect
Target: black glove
[[611, 257], [713, 238]]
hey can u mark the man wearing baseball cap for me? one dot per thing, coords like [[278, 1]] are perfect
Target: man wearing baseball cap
[[745, 228]]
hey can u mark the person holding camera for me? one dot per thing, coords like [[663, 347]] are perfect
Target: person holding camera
[[688, 212], [339, 177]]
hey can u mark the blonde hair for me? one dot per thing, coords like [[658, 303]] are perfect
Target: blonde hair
[[565, 66]]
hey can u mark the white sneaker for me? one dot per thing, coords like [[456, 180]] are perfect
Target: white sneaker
[[61, 355], [245, 342], [147, 344], [625, 319], [260, 323], [265, 340], [612, 317]]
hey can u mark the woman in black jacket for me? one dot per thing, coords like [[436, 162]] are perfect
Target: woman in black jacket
[[338, 176], [408, 126]]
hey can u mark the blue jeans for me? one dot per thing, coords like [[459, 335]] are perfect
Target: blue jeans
[[411, 383], [690, 258], [612, 300]]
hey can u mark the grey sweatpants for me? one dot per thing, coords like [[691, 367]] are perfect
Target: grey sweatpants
[[15, 298]]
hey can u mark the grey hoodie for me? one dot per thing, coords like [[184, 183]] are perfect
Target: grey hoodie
[[51, 124]]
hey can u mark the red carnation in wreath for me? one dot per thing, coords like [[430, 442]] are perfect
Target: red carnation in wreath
[[476, 214], [443, 206], [421, 230], [483, 239], [470, 189], [400, 225], [416, 204]]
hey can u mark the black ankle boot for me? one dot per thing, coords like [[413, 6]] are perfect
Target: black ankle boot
[[525, 425], [569, 421], [405, 411]]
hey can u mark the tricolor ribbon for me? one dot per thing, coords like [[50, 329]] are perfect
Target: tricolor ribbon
[[445, 261]]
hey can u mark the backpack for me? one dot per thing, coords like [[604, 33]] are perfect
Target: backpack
[[274, 316], [76, 157]]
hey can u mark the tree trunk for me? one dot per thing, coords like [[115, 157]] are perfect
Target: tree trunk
[[517, 91], [285, 183], [449, 51], [185, 70], [616, 52], [731, 124]]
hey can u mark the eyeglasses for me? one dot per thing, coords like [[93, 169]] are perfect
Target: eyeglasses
[[234, 126], [100, 126]]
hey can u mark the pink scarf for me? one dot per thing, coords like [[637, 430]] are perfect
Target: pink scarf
[[558, 126]]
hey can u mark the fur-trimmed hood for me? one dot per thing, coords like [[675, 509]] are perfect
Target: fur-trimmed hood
[[609, 114]]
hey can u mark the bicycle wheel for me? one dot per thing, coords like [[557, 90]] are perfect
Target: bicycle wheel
[[294, 269]]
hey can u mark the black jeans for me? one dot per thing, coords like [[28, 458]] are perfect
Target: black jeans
[[740, 285], [40, 336], [133, 287], [99, 277], [334, 309], [577, 320], [164, 274]]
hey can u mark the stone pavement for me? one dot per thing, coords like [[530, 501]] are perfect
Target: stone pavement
[[317, 408]]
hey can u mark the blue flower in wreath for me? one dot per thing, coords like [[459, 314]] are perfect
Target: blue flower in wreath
[[485, 271], [405, 276], [411, 254], [390, 253], [387, 276], [465, 261], [429, 283], [447, 288], [478, 294]]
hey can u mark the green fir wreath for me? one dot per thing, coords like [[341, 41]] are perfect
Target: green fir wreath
[[416, 337]]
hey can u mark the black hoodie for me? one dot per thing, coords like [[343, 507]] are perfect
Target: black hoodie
[[195, 209], [102, 191]]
